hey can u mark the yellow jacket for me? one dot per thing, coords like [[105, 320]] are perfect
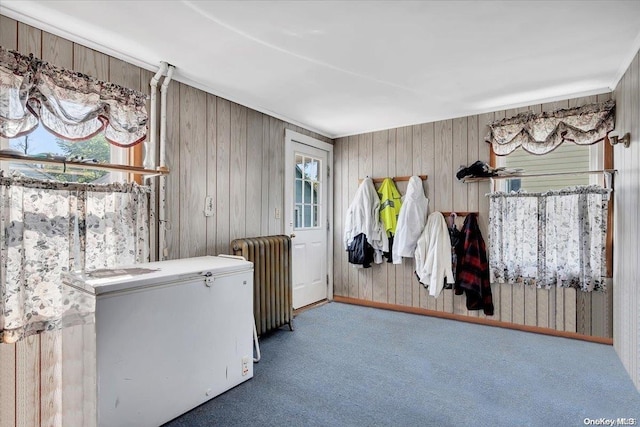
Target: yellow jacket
[[390, 203]]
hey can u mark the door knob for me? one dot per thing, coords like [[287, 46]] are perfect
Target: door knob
[[292, 235]]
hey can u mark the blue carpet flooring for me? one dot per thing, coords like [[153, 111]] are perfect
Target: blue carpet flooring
[[346, 365]]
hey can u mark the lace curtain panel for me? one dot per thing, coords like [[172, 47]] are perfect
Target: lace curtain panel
[[543, 132], [549, 239], [50, 229], [70, 105]]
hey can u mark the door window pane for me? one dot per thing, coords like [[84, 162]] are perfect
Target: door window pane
[[307, 186], [297, 215], [311, 169], [315, 216], [307, 215], [298, 191]]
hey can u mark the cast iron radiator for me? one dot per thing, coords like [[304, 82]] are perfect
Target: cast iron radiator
[[272, 286]]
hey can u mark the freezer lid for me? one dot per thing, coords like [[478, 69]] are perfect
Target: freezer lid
[[154, 273]]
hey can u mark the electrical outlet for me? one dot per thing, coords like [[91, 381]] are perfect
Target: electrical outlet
[[277, 213], [245, 365]]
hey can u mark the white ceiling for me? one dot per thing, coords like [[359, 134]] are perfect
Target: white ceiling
[[348, 67]]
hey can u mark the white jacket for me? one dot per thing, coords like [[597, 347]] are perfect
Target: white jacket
[[433, 255], [411, 220], [363, 216]]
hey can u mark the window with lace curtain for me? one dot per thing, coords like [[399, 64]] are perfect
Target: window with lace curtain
[[551, 230], [53, 223], [51, 113]]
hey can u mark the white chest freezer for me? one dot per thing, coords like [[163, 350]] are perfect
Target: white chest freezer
[[170, 335]]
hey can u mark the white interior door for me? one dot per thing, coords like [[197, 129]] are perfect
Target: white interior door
[[307, 216]]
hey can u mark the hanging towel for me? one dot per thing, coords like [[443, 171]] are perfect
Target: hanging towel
[[363, 217], [411, 220], [433, 255], [390, 204], [472, 275]]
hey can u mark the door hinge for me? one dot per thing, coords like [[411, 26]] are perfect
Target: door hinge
[[328, 227], [327, 280], [328, 171]]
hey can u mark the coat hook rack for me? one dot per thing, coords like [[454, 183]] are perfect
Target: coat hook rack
[[458, 213], [394, 178]]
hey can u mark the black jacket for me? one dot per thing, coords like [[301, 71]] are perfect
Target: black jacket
[[360, 252]]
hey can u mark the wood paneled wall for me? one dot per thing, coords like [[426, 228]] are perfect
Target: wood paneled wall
[[626, 271], [233, 154], [437, 150], [215, 148]]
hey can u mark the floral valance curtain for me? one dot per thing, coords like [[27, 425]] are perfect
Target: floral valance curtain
[[69, 104], [52, 228], [542, 132], [549, 239]]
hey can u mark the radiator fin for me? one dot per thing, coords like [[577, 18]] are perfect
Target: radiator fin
[[273, 293]]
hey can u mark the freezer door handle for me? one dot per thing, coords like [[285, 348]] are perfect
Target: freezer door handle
[[208, 278]]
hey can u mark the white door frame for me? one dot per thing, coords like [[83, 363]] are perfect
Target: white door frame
[[292, 137]]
